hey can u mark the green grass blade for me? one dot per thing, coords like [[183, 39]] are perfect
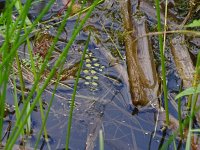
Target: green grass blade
[[74, 94], [162, 61], [101, 140], [179, 115]]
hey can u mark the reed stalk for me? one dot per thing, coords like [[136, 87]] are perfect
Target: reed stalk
[[179, 114], [157, 2], [193, 102], [74, 94], [4, 72]]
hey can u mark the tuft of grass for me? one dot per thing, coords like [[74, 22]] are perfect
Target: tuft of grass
[[9, 54]]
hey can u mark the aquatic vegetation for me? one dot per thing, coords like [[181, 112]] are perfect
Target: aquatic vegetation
[[38, 62], [43, 49], [183, 64], [141, 68], [91, 70], [195, 23], [75, 72], [161, 47]]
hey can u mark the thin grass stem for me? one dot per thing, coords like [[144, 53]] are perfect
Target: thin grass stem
[[179, 114], [162, 61], [74, 94]]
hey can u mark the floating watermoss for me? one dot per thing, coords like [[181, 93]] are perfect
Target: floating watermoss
[[87, 83], [87, 60], [88, 65], [92, 67], [86, 71], [96, 64], [88, 77], [94, 59], [102, 67], [95, 77], [93, 72], [93, 89], [90, 54], [94, 84], [38, 62]]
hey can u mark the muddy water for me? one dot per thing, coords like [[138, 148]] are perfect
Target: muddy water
[[103, 98]]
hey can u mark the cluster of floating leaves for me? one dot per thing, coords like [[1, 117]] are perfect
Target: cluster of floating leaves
[[38, 60], [91, 69]]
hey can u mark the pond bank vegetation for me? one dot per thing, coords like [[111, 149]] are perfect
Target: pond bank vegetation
[[63, 47]]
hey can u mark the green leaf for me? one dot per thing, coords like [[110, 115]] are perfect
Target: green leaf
[[195, 23], [188, 91]]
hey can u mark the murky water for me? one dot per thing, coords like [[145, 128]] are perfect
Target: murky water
[[103, 99]]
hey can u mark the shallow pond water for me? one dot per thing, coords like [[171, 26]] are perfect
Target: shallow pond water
[[103, 98]]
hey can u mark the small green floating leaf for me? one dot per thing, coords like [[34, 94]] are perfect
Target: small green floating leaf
[[96, 65], [195, 23], [94, 84], [88, 65], [87, 83], [102, 67], [93, 71], [87, 60], [85, 71], [95, 77], [188, 91], [90, 54], [88, 78], [94, 59]]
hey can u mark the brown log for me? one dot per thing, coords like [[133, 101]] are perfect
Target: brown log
[[143, 79], [182, 60], [138, 95]]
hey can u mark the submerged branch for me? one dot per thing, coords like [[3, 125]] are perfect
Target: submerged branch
[[143, 78]]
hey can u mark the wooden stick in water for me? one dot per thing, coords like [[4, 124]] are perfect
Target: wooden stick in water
[[141, 68]]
